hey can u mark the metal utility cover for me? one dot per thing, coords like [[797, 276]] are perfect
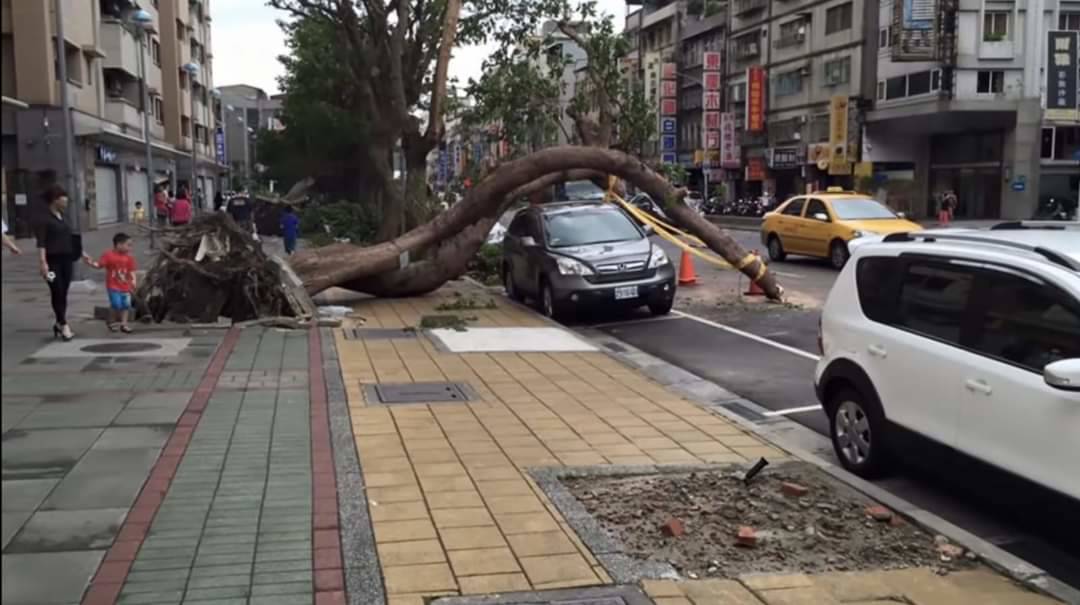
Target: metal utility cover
[[379, 334], [596, 595], [113, 347], [421, 392]]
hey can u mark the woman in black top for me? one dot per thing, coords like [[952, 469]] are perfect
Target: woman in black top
[[57, 253]]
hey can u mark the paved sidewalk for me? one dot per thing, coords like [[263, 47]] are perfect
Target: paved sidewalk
[[454, 512]]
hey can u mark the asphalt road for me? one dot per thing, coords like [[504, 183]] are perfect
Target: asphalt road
[[767, 354]]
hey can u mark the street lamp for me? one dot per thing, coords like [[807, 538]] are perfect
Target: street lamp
[[192, 70], [143, 24], [224, 138]]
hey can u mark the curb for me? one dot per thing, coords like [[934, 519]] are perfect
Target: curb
[[713, 397]]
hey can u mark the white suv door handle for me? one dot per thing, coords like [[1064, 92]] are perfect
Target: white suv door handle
[[878, 351], [978, 386]]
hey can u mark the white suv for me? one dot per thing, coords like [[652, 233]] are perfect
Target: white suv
[[968, 338]]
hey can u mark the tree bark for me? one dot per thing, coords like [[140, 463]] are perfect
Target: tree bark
[[343, 263]]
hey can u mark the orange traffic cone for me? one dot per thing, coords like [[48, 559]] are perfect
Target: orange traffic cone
[[755, 289], [687, 277]]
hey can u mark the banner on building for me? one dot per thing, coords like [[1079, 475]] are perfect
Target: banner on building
[[668, 107], [711, 61], [1061, 76], [712, 139], [668, 126], [783, 158], [668, 143], [755, 169], [838, 135], [915, 30], [669, 71], [712, 120], [711, 80], [729, 150], [755, 99], [219, 146], [669, 89], [710, 100]]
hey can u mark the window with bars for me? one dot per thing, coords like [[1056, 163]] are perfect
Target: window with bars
[[789, 83], [1069, 21], [838, 71]]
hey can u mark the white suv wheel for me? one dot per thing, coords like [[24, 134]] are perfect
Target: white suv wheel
[[852, 430]]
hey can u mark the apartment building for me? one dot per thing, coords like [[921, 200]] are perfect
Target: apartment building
[[968, 114], [655, 30], [702, 34], [244, 111], [788, 62], [106, 54]]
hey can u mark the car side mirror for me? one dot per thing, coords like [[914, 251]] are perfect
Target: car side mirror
[[821, 216], [528, 241], [649, 230], [1064, 374]]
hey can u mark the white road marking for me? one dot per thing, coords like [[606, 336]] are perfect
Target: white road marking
[[624, 322], [791, 275], [744, 334], [805, 408]]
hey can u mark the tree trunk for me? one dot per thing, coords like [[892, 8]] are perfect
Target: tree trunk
[[338, 264]]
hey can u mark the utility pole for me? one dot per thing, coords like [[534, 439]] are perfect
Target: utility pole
[[72, 183], [143, 24]]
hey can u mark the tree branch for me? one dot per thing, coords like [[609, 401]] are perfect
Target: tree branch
[[438, 95]]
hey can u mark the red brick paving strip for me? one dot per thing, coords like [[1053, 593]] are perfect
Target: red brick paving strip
[[109, 579], [326, 540]]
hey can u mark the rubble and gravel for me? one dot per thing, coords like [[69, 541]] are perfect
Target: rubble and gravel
[[730, 529]]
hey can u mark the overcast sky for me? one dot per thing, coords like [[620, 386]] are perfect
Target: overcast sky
[[247, 42]]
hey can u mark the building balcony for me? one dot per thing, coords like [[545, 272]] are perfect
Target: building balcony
[[747, 52], [122, 112], [746, 7], [120, 46], [789, 41], [996, 50]]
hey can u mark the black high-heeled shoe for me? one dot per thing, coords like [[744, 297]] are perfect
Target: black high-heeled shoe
[[57, 332]]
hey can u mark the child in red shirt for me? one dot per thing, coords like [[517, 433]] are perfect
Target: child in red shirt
[[119, 266]]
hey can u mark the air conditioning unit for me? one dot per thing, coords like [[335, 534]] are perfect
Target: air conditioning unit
[[804, 71]]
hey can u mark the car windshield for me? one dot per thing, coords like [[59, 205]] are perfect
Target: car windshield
[[590, 227], [582, 190], [860, 209]]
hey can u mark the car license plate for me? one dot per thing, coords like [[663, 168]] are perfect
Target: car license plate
[[626, 293]]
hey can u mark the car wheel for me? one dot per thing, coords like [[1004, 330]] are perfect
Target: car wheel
[[776, 248], [662, 308], [857, 429], [838, 254], [508, 282], [548, 306]]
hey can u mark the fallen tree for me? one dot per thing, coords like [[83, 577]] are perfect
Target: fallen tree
[[384, 269], [212, 268]]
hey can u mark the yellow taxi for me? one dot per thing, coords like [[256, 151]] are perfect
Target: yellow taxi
[[821, 224]]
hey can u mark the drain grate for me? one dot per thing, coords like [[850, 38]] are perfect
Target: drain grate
[[420, 392], [742, 410], [378, 333]]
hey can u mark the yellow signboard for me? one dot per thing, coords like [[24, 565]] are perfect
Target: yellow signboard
[[838, 135], [864, 169], [699, 157]]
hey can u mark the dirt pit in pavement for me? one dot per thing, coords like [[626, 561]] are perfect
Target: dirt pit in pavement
[[829, 528]]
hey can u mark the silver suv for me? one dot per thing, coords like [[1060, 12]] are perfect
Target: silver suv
[[573, 254]]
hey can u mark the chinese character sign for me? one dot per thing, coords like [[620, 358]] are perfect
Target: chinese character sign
[[668, 107], [712, 120], [712, 139], [712, 80], [729, 150], [755, 99], [668, 89], [668, 126], [711, 61], [668, 71], [710, 100], [219, 146], [838, 135], [1061, 75]]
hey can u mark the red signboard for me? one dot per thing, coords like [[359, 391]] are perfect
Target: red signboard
[[710, 100], [712, 120], [729, 151], [755, 99], [668, 107], [711, 61], [755, 169], [712, 139], [712, 80], [669, 70], [668, 89]]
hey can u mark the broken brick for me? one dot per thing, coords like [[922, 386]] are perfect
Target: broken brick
[[673, 528], [794, 489], [746, 536], [879, 513]]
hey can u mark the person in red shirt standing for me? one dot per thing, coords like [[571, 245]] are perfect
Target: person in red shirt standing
[[161, 207], [181, 209], [119, 266]]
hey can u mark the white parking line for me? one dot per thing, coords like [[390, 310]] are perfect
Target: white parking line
[[612, 324], [791, 275], [798, 410], [744, 334]]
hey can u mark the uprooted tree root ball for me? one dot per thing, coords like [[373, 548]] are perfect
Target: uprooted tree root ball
[[213, 268]]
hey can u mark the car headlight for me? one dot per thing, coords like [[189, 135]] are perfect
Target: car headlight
[[857, 234], [658, 258], [569, 266]]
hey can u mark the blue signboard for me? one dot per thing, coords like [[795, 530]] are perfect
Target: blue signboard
[[444, 166], [1020, 183], [667, 142], [669, 158], [219, 146], [668, 126]]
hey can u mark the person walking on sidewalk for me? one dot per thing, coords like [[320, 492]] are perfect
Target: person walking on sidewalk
[[119, 266], [161, 207], [181, 210], [290, 229], [58, 249], [10, 243]]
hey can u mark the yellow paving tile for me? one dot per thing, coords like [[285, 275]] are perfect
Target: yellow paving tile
[[514, 504], [455, 483], [390, 479], [492, 584], [461, 538], [419, 578], [525, 523], [507, 487], [398, 511], [661, 588], [461, 517], [544, 543], [483, 561], [404, 531], [410, 553], [462, 499], [438, 469], [401, 493], [557, 568], [672, 601]]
